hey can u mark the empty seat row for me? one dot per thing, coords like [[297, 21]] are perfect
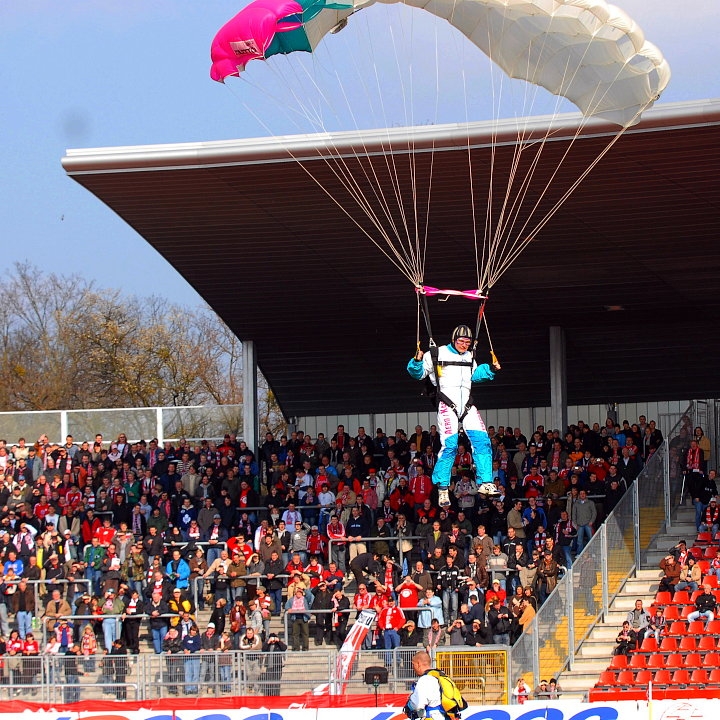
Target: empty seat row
[[664, 598], [676, 660], [661, 678], [676, 612], [704, 538]]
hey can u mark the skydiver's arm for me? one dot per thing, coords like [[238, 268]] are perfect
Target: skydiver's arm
[[420, 368]]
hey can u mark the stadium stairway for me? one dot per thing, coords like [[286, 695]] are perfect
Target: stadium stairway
[[594, 654]]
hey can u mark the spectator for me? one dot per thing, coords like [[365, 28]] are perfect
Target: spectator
[[499, 622], [690, 575], [273, 650], [298, 610], [626, 641], [657, 625], [671, 573], [584, 514], [639, 619], [705, 606]]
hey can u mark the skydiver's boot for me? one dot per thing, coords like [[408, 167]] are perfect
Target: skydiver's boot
[[443, 497]]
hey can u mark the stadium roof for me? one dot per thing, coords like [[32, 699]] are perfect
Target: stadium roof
[[629, 267]]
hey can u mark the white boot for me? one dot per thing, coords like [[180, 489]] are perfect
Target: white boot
[[443, 497]]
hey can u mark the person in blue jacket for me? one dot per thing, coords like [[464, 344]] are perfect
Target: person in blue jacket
[[452, 369]]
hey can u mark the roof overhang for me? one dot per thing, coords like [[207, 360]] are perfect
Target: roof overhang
[[628, 266]]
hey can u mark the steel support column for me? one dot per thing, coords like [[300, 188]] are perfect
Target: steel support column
[[251, 423], [558, 380]]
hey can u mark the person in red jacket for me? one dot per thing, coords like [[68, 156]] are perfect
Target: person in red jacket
[[390, 620]]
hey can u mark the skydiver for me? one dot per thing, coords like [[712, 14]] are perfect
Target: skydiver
[[451, 370]]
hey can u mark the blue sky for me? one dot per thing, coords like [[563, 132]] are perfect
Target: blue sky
[[97, 73]]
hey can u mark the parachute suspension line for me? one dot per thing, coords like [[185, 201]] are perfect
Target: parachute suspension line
[[406, 261], [345, 177], [490, 235], [493, 356], [423, 307], [501, 238], [520, 244], [531, 236]]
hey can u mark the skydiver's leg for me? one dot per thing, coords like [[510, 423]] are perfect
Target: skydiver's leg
[[447, 424], [481, 446]]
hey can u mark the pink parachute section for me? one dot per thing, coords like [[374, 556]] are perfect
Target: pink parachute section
[[469, 294], [248, 35]]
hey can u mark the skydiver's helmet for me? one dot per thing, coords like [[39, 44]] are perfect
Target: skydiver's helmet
[[461, 331]]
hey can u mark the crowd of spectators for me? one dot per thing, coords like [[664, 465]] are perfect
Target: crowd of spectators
[[99, 539]]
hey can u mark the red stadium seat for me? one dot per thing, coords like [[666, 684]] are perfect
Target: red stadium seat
[[696, 552], [686, 611], [674, 661], [672, 613], [643, 678], [713, 627], [711, 660], [607, 679], [710, 580], [677, 628], [662, 678], [703, 538], [704, 566], [706, 643], [688, 643], [618, 662], [679, 677], [693, 660], [694, 595], [626, 678], [656, 662], [668, 645], [714, 677], [681, 597], [696, 627], [698, 677], [638, 662], [710, 552], [649, 645], [663, 597]]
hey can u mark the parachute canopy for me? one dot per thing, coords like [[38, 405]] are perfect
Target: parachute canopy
[[587, 51]]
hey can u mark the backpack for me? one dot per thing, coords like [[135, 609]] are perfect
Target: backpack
[[452, 700]]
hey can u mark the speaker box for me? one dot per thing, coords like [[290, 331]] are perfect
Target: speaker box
[[376, 675]]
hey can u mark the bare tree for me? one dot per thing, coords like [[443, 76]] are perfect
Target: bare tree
[[66, 344]]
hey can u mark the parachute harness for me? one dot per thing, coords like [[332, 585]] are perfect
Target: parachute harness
[[422, 292]]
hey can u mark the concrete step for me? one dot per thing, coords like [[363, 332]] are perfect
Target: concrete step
[[646, 574], [639, 588]]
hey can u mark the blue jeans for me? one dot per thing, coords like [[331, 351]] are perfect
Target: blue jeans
[[391, 640], [584, 531], [225, 677], [568, 556], [95, 576], [699, 510], [157, 638], [24, 622], [276, 596], [192, 673], [450, 605], [110, 632]]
